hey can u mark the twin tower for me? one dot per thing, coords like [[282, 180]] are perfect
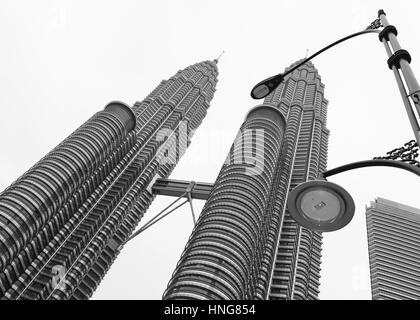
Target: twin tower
[[64, 221]]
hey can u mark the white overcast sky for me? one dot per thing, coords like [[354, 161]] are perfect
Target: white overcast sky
[[62, 61]]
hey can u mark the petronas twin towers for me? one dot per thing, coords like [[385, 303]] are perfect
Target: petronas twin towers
[[63, 222]]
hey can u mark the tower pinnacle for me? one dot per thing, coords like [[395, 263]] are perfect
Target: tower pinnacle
[[217, 59]]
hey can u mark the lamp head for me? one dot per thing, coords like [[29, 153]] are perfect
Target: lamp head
[[265, 87], [321, 206]]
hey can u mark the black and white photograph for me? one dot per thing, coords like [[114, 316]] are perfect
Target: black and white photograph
[[209, 150]]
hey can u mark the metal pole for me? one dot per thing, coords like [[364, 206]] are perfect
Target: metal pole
[[402, 62], [192, 208], [188, 192], [408, 107], [145, 227], [410, 79]]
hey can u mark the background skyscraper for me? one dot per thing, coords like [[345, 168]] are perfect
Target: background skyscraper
[[245, 245], [66, 217], [394, 240]]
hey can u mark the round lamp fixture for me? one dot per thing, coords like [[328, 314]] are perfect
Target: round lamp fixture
[[265, 87], [321, 206], [260, 91]]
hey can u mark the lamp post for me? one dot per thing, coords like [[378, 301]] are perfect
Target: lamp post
[[398, 61], [323, 206]]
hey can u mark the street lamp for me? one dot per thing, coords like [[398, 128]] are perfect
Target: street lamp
[[398, 60], [265, 87], [323, 206]]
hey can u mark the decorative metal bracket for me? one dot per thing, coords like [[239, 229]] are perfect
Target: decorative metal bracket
[[375, 25], [408, 153]]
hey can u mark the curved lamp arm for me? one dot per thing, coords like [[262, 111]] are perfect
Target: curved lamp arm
[[265, 87], [310, 203], [373, 163]]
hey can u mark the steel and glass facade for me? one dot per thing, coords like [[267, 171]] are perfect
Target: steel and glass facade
[[294, 262], [245, 245], [222, 257], [63, 222], [393, 231]]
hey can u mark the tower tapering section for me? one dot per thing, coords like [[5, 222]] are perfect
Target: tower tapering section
[[245, 245], [63, 222], [294, 263]]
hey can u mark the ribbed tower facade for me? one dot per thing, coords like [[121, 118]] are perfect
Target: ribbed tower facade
[[245, 245], [296, 258], [223, 255], [63, 222], [394, 250]]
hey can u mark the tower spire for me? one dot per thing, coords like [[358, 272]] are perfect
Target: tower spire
[[217, 59]]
